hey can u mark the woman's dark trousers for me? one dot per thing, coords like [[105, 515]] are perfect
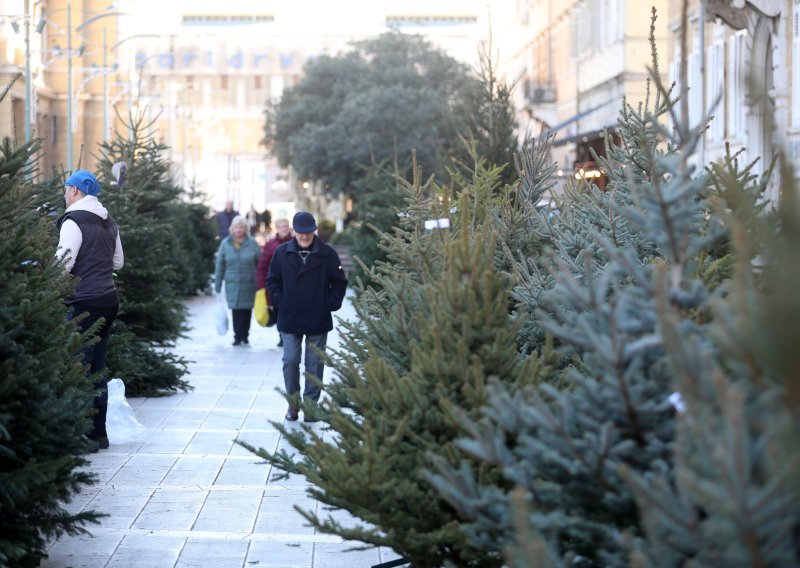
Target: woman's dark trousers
[[241, 325]]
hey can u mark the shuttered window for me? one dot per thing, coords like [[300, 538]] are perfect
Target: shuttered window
[[736, 84], [715, 74]]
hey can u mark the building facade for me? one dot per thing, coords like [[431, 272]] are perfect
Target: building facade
[[743, 67], [206, 72], [574, 62], [64, 78]]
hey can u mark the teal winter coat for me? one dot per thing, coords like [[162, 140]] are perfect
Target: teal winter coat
[[237, 268]]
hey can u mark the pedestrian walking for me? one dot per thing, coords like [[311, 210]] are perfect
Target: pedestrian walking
[[283, 234], [225, 218], [306, 282], [90, 244], [237, 259]]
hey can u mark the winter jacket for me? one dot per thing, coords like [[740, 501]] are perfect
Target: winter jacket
[[306, 293], [237, 268]]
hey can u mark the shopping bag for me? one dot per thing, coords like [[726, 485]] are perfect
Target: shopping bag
[[265, 315], [261, 308], [121, 423], [221, 315]]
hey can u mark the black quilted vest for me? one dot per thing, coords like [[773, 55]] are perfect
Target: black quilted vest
[[94, 264]]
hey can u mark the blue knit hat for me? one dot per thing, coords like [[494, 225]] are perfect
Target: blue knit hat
[[304, 222], [84, 181]]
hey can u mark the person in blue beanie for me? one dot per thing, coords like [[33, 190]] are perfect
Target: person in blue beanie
[[90, 245], [306, 283]]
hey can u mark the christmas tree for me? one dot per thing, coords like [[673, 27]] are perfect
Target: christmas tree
[[433, 331], [45, 396], [152, 283], [565, 443]]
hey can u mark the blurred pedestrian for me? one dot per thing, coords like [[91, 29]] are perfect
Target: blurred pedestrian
[[265, 220], [307, 283], [88, 239], [237, 259], [252, 221], [283, 234], [224, 219]]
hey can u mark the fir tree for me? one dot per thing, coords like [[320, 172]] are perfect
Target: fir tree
[[565, 447], [152, 283], [491, 121], [46, 397], [734, 498], [433, 330]]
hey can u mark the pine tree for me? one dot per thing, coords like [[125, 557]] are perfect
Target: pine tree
[[734, 496], [491, 122], [152, 283], [565, 447], [45, 395], [195, 233], [433, 331]]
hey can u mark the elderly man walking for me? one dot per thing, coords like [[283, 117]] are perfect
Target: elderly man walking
[[306, 283], [90, 243]]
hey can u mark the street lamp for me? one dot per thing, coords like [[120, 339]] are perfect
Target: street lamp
[[70, 55]]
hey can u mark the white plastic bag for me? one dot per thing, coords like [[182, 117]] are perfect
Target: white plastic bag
[[121, 423], [221, 315]]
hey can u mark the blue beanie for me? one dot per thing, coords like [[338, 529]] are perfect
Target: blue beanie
[[84, 181], [303, 222]]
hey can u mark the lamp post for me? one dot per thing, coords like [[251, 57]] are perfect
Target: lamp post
[[69, 87], [70, 93], [28, 87]]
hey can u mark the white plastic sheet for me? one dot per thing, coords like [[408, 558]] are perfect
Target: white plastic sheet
[[121, 423]]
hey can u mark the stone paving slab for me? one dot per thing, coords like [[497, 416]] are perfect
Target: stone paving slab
[[185, 495]]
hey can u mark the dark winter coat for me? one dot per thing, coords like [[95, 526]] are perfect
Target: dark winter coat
[[306, 294], [237, 268]]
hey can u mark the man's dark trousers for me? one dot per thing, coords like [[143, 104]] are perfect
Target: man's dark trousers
[[94, 356]]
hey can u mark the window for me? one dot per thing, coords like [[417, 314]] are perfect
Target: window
[[736, 84], [695, 80], [226, 19], [429, 21], [675, 79], [715, 75]]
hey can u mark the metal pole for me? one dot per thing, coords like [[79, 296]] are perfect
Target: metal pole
[[105, 87], [701, 86], [28, 87], [69, 87]]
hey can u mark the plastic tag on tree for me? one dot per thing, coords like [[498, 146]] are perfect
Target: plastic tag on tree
[[121, 423]]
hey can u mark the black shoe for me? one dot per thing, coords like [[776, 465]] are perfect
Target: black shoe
[[280, 342], [291, 414], [102, 441], [237, 343], [245, 342]]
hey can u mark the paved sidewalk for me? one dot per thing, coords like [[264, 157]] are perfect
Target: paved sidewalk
[[186, 495]]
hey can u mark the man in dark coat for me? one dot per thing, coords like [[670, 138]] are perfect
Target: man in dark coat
[[306, 283]]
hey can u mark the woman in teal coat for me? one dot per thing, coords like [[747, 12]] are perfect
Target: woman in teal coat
[[237, 259]]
